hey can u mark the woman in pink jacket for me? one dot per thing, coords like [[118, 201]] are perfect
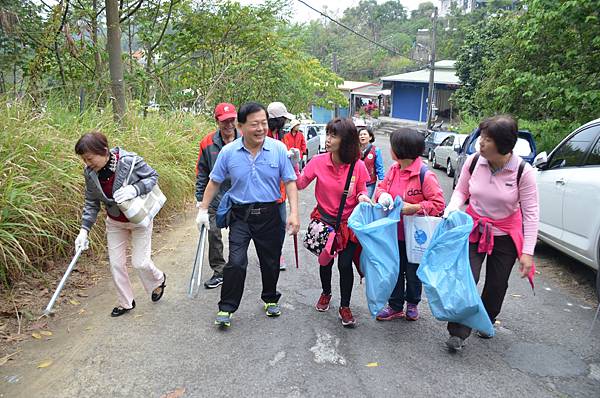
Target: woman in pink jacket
[[504, 205], [421, 193], [331, 170]]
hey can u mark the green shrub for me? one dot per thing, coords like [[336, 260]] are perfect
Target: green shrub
[[41, 178]]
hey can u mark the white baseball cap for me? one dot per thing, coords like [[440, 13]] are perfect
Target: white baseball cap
[[277, 109], [294, 123]]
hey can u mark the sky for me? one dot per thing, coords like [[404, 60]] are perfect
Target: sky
[[336, 7]]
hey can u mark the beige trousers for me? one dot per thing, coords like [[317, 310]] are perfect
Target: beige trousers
[[118, 235]]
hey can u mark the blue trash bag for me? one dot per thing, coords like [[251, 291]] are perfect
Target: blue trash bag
[[377, 232], [447, 278]]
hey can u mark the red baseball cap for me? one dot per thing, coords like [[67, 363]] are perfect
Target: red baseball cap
[[225, 111]]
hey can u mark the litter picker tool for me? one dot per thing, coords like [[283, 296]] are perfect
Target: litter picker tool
[[296, 249], [196, 278], [63, 281]]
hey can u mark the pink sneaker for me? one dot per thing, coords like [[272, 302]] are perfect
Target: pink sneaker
[[388, 314]]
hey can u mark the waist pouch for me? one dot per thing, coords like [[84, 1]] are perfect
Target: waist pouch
[[223, 215]]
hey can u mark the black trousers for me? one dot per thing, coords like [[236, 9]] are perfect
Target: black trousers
[[497, 271], [346, 274], [262, 226]]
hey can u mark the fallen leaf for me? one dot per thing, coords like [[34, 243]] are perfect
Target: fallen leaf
[[74, 302], [88, 328], [36, 335], [45, 364], [83, 294], [81, 311], [372, 364], [46, 332], [177, 393]]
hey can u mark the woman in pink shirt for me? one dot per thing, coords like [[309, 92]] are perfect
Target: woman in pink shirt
[[503, 202], [331, 170], [419, 197]]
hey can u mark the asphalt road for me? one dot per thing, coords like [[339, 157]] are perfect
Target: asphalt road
[[543, 347]]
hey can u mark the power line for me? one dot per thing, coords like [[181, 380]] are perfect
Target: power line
[[393, 51]]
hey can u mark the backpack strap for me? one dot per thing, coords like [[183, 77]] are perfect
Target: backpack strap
[[422, 172], [520, 171], [473, 163]]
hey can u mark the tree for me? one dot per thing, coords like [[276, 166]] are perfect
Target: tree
[[113, 47]]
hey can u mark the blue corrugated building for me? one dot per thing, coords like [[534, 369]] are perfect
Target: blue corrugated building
[[410, 91]]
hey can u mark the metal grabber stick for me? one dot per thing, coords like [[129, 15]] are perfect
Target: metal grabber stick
[[63, 281], [196, 278]]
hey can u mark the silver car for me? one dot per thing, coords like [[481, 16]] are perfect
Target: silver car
[[445, 155], [313, 142], [568, 182]]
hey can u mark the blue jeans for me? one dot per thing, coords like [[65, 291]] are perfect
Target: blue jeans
[[371, 189], [409, 287]]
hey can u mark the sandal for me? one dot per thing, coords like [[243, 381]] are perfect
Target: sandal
[[118, 311], [157, 296]]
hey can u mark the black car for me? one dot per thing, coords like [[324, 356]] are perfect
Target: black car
[[525, 148], [432, 140]]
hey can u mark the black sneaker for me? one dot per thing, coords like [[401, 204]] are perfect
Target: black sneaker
[[213, 282], [455, 344]]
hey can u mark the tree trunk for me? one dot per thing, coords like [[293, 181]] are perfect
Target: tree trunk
[[115, 63]]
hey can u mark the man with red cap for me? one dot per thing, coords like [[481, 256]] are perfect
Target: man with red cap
[[210, 146]]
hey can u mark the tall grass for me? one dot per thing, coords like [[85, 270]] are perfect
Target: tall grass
[[41, 179]]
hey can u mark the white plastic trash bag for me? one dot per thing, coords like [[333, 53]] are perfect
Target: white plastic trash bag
[[418, 231]]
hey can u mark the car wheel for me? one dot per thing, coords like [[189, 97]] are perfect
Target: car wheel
[[449, 169], [434, 163]]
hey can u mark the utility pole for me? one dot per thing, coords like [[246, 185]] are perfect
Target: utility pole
[[431, 71], [334, 67]]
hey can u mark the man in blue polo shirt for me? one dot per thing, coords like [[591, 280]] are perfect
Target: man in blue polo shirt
[[255, 164]]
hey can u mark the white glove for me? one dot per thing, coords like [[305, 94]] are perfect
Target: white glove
[[294, 155], [386, 200], [82, 242], [125, 193], [198, 205], [448, 210], [202, 219]]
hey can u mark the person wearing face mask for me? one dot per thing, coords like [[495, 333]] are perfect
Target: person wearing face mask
[[105, 172], [255, 164], [503, 202], [210, 146], [371, 156]]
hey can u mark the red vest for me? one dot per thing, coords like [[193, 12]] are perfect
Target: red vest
[[369, 159]]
